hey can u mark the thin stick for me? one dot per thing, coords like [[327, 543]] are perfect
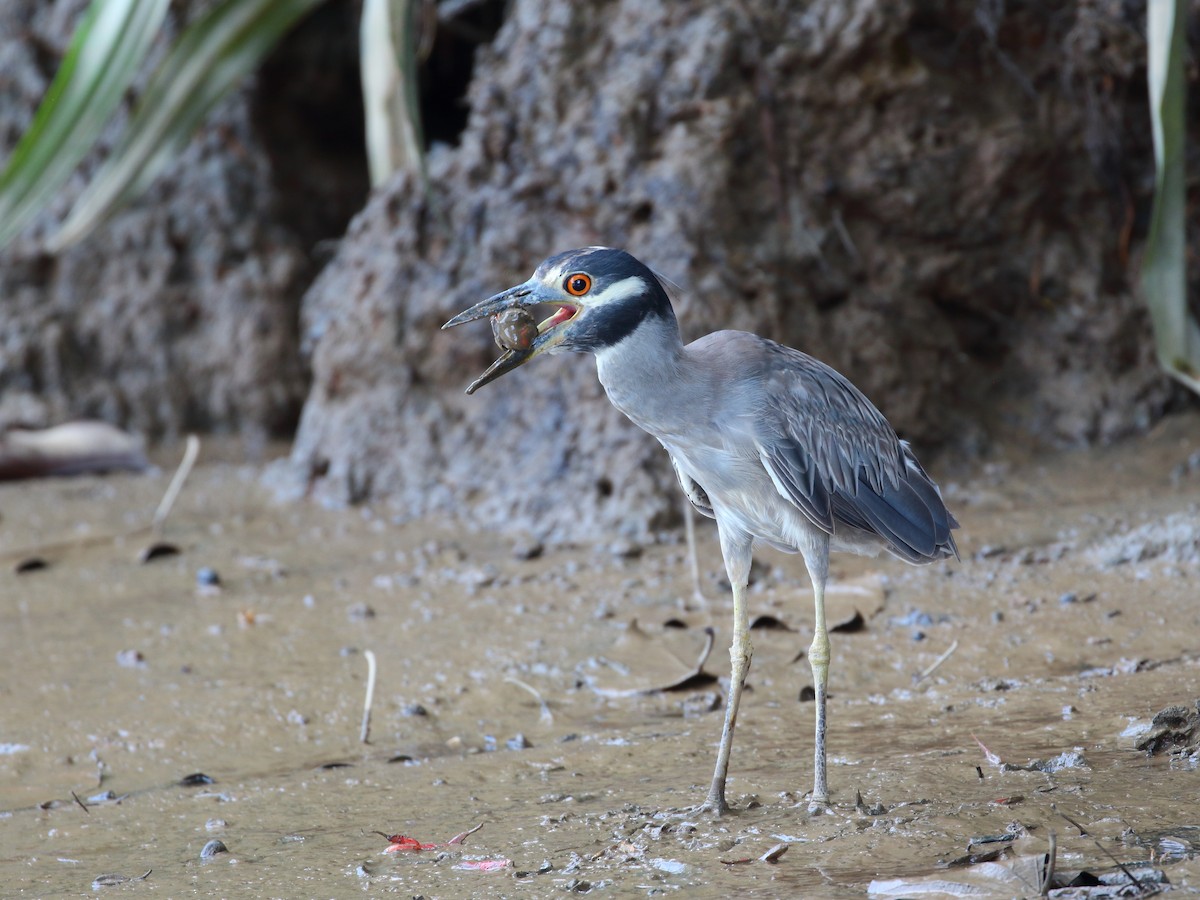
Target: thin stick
[[82, 805], [459, 838], [547, 717], [191, 451], [1120, 865], [937, 662], [1082, 831], [364, 733], [1048, 872]]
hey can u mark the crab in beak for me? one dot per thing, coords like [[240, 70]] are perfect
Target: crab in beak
[[526, 297]]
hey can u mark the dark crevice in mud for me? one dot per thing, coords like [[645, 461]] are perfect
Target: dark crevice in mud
[[446, 72], [308, 110]]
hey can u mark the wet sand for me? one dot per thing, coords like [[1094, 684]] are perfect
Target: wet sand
[[501, 698]]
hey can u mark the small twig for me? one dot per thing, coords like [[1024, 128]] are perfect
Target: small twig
[[993, 758], [462, 836], [929, 670], [1082, 831], [191, 451], [364, 733], [1120, 865], [1048, 871], [547, 717], [82, 805]]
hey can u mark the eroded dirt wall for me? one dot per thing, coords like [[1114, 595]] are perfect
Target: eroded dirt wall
[[941, 200]]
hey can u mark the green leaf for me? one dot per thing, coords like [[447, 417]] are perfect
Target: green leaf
[[1164, 266], [209, 59], [388, 59], [109, 45]]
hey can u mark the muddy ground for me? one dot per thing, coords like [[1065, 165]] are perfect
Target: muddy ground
[[503, 695]]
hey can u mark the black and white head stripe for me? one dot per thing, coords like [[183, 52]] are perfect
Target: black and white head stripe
[[624, 293]]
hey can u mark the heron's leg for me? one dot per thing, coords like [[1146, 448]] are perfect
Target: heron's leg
[[816, 559], [736, 550], [689, 528]]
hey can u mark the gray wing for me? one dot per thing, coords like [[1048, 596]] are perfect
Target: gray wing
[[834, 455]]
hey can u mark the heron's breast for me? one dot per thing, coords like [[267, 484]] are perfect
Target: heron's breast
[[741, 491]]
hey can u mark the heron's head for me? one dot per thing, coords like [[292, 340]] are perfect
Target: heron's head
[[599, 296]]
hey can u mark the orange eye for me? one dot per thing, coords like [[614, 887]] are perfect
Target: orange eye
[[578, 284]]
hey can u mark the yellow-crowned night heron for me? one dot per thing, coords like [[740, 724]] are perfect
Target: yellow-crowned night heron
[[774, 445]]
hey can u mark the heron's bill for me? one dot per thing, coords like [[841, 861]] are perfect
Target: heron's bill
[[522, 296], [509, 360]]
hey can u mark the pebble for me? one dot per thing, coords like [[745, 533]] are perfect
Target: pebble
[[528, 548], [206, 577], [212, 848], [358, 612], [131, 659], [624, 548]]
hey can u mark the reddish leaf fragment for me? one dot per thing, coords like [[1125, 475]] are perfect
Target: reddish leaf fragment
[[484, 865], [736, 862], [403, 842], [1008, 801], [400, 842]]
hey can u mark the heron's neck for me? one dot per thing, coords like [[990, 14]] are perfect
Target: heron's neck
[[642, 373]]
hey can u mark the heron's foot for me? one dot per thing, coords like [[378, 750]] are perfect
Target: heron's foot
[[715, 805], [818, 803]]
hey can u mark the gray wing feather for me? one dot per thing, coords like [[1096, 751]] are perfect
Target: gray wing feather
[[832, 453]]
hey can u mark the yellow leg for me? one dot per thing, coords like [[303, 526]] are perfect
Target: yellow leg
[[817, 561], [736, 551], [689, 525]]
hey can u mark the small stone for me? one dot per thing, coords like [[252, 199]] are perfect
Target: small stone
[[359, 612], [207, 578], [700, 704], [624, 548], [214, 824], [131, 659], [414, 709], [518, 742], [212, 848], [1067, 598], [528, 548]]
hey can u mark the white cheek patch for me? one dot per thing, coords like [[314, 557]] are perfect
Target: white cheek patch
[[620, 290]]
